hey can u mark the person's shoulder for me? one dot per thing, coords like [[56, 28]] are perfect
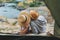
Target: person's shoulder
[[41, 16]]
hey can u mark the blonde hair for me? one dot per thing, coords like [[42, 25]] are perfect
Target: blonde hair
[[34, 14]]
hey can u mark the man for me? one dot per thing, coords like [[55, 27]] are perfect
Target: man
[[38, 22], [54, 7]]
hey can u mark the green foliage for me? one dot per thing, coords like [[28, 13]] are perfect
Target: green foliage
[[35, 4], [0, 1]]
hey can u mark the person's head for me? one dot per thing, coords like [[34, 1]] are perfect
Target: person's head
[[34, 14], [23, 18]]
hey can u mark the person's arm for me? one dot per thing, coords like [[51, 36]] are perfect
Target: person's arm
[[25, 30], [42, 18]]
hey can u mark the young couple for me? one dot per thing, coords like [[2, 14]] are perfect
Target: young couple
[[32, 22]]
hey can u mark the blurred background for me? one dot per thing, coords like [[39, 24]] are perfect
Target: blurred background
[[12, 8]]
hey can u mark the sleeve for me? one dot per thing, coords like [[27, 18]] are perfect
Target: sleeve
[[41, 25], [36, 27], [33, 27], [42, 18]]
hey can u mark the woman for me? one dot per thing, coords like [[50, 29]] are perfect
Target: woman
[[24, 20]]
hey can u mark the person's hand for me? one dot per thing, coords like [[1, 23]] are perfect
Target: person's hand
[[26, 25], [49, 33]]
